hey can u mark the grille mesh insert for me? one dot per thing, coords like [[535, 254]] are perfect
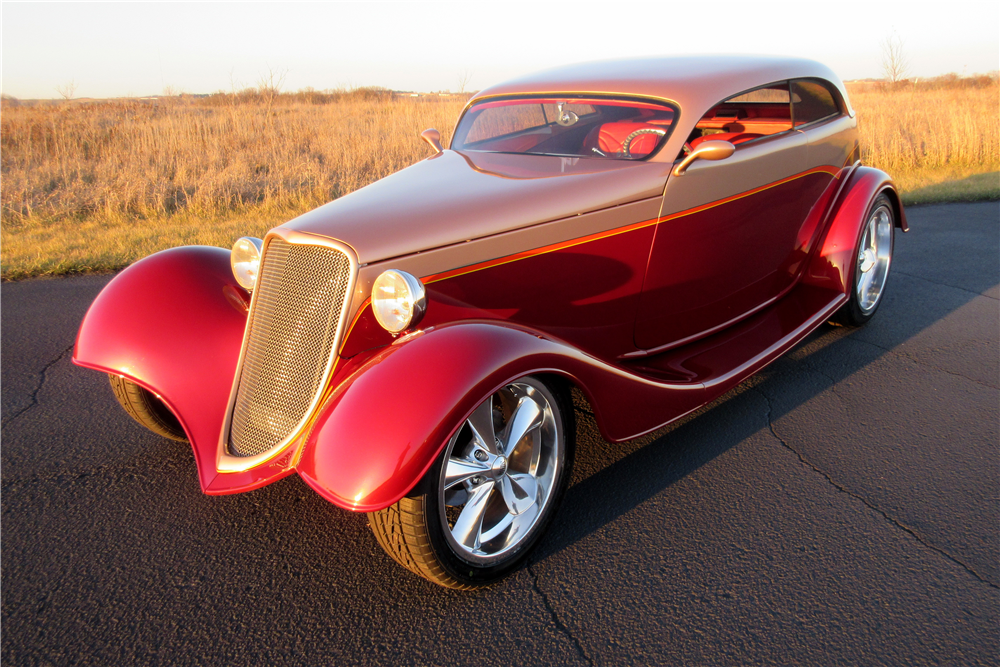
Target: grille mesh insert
[[299, 304]]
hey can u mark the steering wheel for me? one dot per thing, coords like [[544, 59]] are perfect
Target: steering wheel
[[627, 144]]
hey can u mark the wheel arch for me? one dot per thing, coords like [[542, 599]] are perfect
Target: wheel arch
[[898, 211], [362, 458], [173, 324], [830, 267]]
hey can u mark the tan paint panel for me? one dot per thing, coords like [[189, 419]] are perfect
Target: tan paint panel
[[540, 238], [831, 142], [753, 165], [454, 197]]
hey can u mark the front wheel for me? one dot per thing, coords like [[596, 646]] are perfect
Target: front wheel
[[486, 501], [146, 408], [873, 255]]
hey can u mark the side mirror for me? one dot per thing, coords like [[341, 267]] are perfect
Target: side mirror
[[707, 150], [433, 137]]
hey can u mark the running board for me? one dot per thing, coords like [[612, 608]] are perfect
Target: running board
[[722, 360]]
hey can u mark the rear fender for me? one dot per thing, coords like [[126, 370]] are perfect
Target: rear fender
[[384, 425], [831, 266], [173, 323]]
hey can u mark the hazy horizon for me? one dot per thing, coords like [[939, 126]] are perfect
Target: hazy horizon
[[139, 49]]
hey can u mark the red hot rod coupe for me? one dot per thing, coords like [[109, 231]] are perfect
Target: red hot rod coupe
[[651, 232]]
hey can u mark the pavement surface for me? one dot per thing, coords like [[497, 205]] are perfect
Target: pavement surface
[[840, 508]]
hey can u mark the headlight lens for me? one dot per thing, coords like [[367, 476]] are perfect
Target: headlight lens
[[398, 300], [245, 260]]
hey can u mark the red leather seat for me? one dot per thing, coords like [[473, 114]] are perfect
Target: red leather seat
[[610, 138], [731, 137]]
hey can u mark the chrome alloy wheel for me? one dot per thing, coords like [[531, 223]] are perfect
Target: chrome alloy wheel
[[500, 471], [874, 256]]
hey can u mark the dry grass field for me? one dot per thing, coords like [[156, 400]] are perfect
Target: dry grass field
[[94, 186], [938, 145]]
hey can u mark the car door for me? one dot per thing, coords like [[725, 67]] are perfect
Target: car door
[[730, 236]]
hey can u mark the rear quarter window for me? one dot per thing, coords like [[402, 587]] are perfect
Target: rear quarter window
[[812, 101]]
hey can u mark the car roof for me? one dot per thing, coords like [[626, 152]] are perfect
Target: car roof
[[695, 83]]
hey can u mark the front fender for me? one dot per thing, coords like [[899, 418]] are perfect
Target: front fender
[[385, 424], [832, 264], [173, 323]]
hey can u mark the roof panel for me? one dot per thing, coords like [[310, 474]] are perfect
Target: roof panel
[[695, 83]]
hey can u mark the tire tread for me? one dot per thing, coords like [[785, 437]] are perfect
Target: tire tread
[[400, 530], [142, 406]]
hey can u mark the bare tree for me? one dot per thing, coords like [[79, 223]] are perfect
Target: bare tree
[[463, 80], [269, 86], [894, 62], [67, 90]]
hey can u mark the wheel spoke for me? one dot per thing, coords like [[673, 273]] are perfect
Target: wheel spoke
[[470, 520], [459, 470], [505, 521], [481, 423], [864, 285], [520, 491], [527, 416], [522, 523]]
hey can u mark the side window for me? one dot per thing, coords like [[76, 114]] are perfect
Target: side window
[[812, 101], [750, 115]]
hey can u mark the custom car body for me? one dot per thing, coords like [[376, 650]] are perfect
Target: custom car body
[[650, 232]]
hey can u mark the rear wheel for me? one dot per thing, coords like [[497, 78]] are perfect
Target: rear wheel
[[873, 255], [143, 406], [487, 500]]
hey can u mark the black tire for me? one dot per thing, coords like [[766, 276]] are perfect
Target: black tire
[[861, 305], [144, 407], [418, 532]]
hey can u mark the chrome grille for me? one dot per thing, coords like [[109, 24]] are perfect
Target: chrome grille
[[298, 305]]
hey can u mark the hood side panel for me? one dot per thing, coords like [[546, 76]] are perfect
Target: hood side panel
[[453, 197]]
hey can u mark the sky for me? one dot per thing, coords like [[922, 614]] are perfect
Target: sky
[[138, 49]]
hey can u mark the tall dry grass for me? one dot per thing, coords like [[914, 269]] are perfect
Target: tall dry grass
[[140, 160], [922, 136], [95, 186]]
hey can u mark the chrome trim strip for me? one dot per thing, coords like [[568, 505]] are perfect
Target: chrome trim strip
[[226, 462]]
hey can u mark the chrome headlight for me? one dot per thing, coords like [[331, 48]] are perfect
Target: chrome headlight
[[398, 300], [245, 260]]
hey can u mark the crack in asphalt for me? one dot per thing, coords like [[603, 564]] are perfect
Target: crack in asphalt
[[38, 388], [934, 282], [921, 363], [555, 618], [865, 502]]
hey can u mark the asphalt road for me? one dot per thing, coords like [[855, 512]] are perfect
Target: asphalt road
[[839, 508]]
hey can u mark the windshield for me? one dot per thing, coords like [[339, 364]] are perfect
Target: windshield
[[566, 126]]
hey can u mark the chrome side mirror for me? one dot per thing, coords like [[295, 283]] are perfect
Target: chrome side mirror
[[706, 150], [433, 137]]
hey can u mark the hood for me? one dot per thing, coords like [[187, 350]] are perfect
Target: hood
[[454, 197]]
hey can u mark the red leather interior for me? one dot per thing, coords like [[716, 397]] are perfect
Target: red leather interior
[[610, 137], [731, 137]]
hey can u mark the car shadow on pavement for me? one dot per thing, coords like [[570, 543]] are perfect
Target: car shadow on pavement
[[612, 479]]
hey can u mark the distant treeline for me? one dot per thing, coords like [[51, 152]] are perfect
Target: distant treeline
[[950, 81], [258, 95]]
